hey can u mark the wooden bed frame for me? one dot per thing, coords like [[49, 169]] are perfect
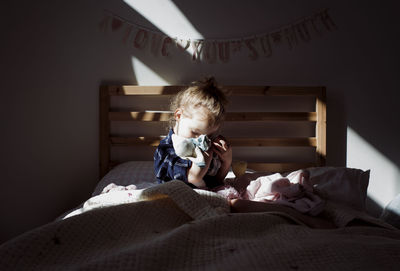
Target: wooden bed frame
[[317, 116]]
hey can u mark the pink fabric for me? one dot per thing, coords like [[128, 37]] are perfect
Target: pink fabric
[[294, 191]]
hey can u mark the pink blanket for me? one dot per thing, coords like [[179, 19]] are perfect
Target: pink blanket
[[294, 190]]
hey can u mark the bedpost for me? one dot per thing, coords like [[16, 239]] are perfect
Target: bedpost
[[104, 146], [321, 127]]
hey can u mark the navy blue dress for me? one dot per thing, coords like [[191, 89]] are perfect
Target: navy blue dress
[[169, 166]]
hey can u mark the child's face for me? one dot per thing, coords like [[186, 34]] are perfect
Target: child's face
[[195, 125]]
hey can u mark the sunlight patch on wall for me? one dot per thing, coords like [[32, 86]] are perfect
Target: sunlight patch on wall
[[167, 17], [146, 76], [384, 182]]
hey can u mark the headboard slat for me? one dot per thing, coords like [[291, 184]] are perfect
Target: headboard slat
[[233, 90], [230, 116]]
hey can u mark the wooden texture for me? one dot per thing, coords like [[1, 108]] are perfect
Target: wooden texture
[[109, 114], [321, 127], [230, 116], [232, 90], [139, 116]]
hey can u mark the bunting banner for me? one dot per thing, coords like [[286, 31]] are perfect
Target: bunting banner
[[219, 50]]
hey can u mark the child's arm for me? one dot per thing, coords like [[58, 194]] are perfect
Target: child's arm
[[224, 151], [196, 173]]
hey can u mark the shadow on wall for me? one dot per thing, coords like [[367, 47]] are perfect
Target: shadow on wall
[[373, 208], [373, 105], [56, 58], [336, 128]]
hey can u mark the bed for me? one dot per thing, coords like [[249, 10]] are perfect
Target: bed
[[131, 222]]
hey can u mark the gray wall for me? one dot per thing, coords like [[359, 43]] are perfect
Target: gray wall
[[53, 59]]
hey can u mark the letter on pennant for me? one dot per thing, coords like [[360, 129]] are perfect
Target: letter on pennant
[[140, 39], [166, 41], [116, 24], [127, 34], [253, 52], [291, 37], [181, 46], [277, 37], [303, 31], [314, 26], [210, 52], [103, 24], [224, 51], [236, 46], [197, 47], [155, 43], [266, 45], [327, 20]]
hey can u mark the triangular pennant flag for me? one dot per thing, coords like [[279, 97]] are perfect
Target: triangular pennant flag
[[210, 52], [303, 32], [156, 40], [140, 39], [127, 34], [236, 45], [197, 46], [116, 24], [290, 36], [250, 45], [277, 37], [182, 45], [224, 51], [327, 20], [103, 24], [164, 47], [265, 45]]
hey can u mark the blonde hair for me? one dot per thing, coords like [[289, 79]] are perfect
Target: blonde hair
[[205, 93]]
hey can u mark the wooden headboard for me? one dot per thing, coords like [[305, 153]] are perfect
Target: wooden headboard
[[145, 109]]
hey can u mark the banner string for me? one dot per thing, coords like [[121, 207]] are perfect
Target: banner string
[[221, 49], [277, 29]]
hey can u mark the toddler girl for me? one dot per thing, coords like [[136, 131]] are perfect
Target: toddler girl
[[193, 152]]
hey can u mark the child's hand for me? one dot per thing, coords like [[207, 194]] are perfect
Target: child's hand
[[196, 174], [223, 149], [208, 156]]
